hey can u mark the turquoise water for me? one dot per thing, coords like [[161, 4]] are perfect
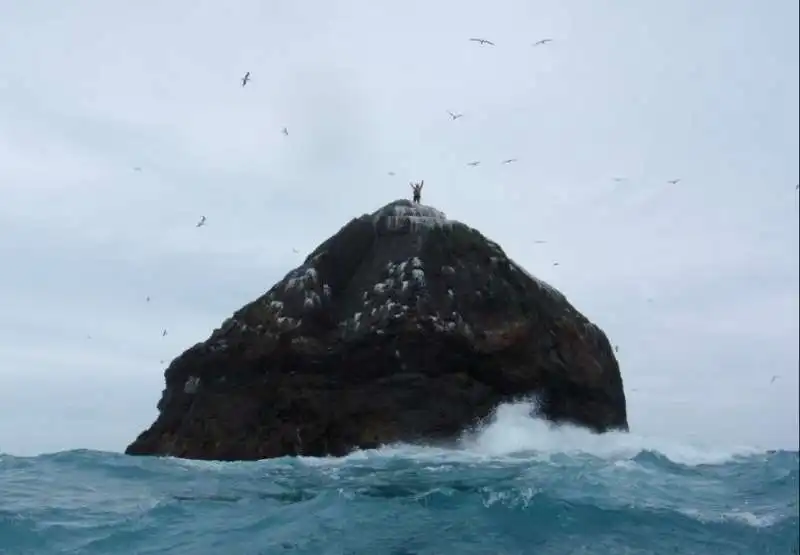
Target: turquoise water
[[516, 487]]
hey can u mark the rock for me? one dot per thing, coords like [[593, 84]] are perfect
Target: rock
[[403, 326]]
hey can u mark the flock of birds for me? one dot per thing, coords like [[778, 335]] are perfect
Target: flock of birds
[[454, 116]]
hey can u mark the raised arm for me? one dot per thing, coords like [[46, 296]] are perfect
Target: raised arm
[[421, 183]]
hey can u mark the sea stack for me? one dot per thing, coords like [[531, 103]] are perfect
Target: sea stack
[[404, 326]]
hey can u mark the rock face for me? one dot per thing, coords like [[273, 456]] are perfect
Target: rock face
[[403, 326]]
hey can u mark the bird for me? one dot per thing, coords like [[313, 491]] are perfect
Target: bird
[[202, 221], [147, 300], [246, 78], [618, 179], [540, 242], [295, 251], [286, 131], [483, 41], [673, 181], [509, 160], [390, 173], [137, 169], [454, 116], [473, 164], [555, 264], [774, 378], [164, 332], [616, 348], [541, 42]]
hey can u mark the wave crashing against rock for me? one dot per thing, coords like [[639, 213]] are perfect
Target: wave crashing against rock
[[402, 326]]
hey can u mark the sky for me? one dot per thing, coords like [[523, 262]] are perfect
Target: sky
[[696, 281]]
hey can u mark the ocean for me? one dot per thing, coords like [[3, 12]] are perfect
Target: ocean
[[514, 486]]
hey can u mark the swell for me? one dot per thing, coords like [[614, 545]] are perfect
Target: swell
[[387, 501], [312, 519]]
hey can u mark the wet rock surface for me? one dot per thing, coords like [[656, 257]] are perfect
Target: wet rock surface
[[402, 326]]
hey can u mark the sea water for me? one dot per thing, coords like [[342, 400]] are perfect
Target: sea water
[[516, 486]]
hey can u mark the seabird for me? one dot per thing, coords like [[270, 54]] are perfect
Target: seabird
[[246, 78], [618, 179], [285, 131], [540, 242], [164, 333], [391, 173], [483, 41], [454, 116], [555, 264], [147, 299], [202, 221], [673, 181], [774, 378], [295, 251], [509, 160], [543, 41], [137, 169], [473, 164]]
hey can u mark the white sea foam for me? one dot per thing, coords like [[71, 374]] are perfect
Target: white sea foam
[[512, 433]]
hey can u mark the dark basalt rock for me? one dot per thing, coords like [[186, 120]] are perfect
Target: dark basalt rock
[[403, 326]]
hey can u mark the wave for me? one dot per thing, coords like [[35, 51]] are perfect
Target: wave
[[512, 432], [514, 484]]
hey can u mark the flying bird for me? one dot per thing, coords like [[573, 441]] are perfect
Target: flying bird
[[246, 78], [483, 41], [774, 378], [391, 173], [295, 251], [509, 160], [473, 164], [454, 116], [202, 221], [541, 42], [286, 131], [540, 242], [147, 300], [618, 179], [555, 264], [673, 181], [137, 169], [164, 333]]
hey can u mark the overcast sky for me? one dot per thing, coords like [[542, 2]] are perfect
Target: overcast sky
[[697, 282]]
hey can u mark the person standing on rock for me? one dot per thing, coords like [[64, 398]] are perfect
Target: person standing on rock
[[417, 190]]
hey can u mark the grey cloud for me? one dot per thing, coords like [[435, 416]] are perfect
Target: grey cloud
[[697, 282]]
